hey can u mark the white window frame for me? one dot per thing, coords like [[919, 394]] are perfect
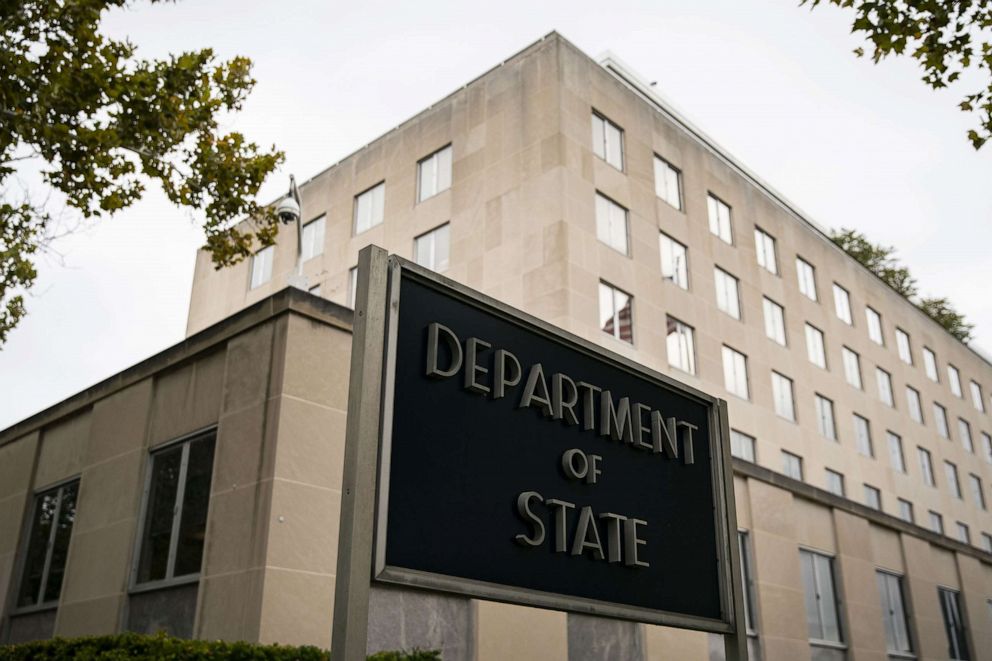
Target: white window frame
[[743, 446], [792, 465], [372, 199], [617, 330], [685, 345], [904, 346], [977, 399], [894, 618], [954, 380], [863, 441], [875, 332], [437, 179], [930, 365], [842, 304], [609, 217], [806, 277], [964, 431], [667, 176], [674, 266], [608, 140], [987, 446], [937, 522], [896, 456], [720, 218], [261, 267], [735, 378], [873, 497], [825, 417], [728, 293], [940, 421], [914, 404], [312, 237], [884, 381], [951, 475], [774, 315], [835, 483], [783, 396], [765, 250], [906, 510], [977, 491], [822, 606], [926, 466], [816, 350], [852, 368], [440, 233]]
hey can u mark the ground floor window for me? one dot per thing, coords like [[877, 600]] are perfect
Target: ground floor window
[[48, 545]]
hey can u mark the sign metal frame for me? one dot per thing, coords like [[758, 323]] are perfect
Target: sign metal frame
[[383, 294]]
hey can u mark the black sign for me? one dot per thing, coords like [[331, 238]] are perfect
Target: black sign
[[522, 464]]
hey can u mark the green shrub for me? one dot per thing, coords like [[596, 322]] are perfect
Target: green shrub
[[127, 646]]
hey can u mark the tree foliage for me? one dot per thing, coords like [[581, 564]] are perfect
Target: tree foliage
[[946, 38], [879, 260], [103, 122]]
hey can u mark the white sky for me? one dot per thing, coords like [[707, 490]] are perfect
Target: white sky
[[777, 85]]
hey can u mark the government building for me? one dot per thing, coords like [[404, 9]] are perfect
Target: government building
[[199, 491]]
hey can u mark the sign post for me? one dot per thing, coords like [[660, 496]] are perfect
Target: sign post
[[495, 456]]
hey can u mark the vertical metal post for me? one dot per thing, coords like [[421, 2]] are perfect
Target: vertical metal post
[[734, 644], [355, 536]]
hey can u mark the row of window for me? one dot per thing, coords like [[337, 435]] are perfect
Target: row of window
[[173, 524], [744, 447], [612, 229], [433, 177], [823, 605]]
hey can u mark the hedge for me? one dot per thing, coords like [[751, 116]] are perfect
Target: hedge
[[127, 646]]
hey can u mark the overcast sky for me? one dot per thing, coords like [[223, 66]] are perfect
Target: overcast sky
[[850, 143]]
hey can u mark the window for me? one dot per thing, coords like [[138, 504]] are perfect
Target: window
[[727, 296], [894, 613], [681, 350], [746, 576], [926, 467], [986, 542], [807, 279], [313, 238], [874, 326], [611, 223], [940, 418], [884, 380], [674, 261], [719, 214], [976, 397], [873, 497], [814, 347], [615, 316], [964, 431], [930, 365], [951, 472], [792, 465], [950, 607], [434, 174], [852, 367], [433, 248], [835, 483], [936, 523], [370, 208], [782, 394], [862, 436], [821, 600], [896, 457], [964, 534], [735, 372], [842, 304], [825, 417], [987, 447], [905, 510], [607, 141], [742, 445], [48, 545], [903, 346], [774, 321], [352, 286], [954, 378], [764, 245], [175, 511], [667, 182], [914, 405], [261, 267], [976, 490]]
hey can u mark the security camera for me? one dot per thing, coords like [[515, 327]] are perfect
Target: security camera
[[288, 210]]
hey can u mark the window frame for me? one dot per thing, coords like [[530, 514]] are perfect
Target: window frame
[[914, 404], [797, 460], [677, 272], [846, 352], [977, 399], [762, 240], [896, 450], [17, 574], [434, 156], [718, 202], [867, 441], [678, 183], [604, 143], [837, 477], [187, 440], [873, 315], [681, 326], [317, 249], [818, 599], [792, 395], [926, 467], [819, 345], [747, 381], [446, 226], [767, 303], [954, 381], [951, 614], [354, 214], [848, 316], [930, 367], [610, 202], [889, 400], [268, 261], [904, 346], [728, 277], [616, 334], [801, 269], [886, 580], [873, 493], [825, 418], [748, 441]]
